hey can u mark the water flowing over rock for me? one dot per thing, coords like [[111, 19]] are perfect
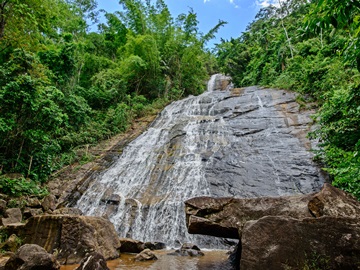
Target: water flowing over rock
[[244, 142]]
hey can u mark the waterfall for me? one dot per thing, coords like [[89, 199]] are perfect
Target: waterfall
[[215, 144]]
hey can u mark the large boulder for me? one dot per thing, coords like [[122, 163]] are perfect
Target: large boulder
[[72, 237], [223, 217], [32, 257], [276, 243]]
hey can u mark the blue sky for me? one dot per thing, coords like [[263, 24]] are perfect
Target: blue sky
[[238, 13]]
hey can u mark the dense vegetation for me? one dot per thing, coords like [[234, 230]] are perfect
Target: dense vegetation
[[63, 87], [312, 47]]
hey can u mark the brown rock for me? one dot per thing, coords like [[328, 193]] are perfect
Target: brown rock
[[31, 212], [12, 215], [31, 257], [129, 245], [93, 261], [145, 255], [334, 202], [223, 217], [276, 243], [49, 203], [72, 236], [33, 203], [68, 211]]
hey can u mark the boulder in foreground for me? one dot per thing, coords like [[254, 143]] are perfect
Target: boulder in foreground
[[72, 236], [275, 243], [31, 257]]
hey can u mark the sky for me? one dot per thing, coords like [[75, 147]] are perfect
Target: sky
[[238, 13]]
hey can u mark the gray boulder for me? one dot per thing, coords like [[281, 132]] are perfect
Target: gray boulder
[[32, 257]]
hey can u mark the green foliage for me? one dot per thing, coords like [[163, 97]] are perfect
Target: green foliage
[[3, 235], [30, 119], [20, 187], [317, 261], [62, 88]]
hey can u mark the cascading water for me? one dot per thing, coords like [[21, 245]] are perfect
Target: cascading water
[[240, 142]]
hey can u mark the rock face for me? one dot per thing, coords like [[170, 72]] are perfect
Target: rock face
[[275, 243], [72, 236], [93, 261], [247, 142], [284, 232], [31, 257]]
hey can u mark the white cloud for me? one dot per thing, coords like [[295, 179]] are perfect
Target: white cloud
[[266, 3]]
